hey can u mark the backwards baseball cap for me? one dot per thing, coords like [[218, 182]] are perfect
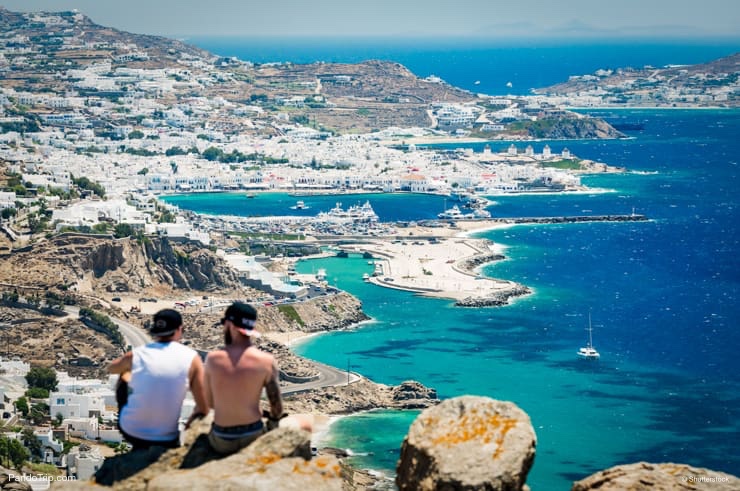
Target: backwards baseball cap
[[244, 317], [165, 323]]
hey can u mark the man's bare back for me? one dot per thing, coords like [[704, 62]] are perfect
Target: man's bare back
[[237, 375]]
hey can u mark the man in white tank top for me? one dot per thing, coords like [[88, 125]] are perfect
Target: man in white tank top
[[153, 384]]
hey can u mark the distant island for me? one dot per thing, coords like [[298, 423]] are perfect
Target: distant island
[[713, 84], [59, 67]]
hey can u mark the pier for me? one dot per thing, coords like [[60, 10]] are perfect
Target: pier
[[573, 219]]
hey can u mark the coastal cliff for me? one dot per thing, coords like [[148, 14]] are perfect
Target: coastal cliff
[[88, 263]]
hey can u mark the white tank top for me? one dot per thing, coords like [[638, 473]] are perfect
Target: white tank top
[[159, 381]]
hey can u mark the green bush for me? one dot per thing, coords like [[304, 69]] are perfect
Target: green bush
[[290, 312]]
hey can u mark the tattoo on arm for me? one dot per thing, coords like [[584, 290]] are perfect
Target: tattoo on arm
[[272, 387]]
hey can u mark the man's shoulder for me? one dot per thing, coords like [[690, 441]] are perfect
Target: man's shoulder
[[217, 353], [263, 355]]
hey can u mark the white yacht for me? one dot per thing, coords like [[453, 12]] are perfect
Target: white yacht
[[356, 213], [300, 205], [589, 351], [453, 213]]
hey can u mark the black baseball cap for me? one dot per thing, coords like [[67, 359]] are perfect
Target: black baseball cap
[[244, 317], [165, 323]]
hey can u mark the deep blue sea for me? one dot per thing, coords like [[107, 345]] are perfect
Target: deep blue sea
[[663, 296], [464, 61]]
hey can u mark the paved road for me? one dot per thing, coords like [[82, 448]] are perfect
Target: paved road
[[134, 335], [328, 377]]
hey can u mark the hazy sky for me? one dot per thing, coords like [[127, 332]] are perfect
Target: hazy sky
[[519, 18]]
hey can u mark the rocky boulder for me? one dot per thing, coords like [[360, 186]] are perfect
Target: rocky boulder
[[412, 395], [658, 477], [11, 483], [362, 395], [280, 459], [467, 443]]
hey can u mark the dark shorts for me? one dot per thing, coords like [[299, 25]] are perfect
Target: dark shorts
[[141, 444], [226, 440]]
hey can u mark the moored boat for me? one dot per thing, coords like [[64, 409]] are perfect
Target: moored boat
[[588, 351]]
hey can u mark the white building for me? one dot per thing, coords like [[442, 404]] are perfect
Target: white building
[[256, 276], [83, 462], [90, 213], [179, 230], [51, 447], [76, 405]]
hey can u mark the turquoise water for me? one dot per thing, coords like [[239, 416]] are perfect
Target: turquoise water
[[662, 294], [425, 206]]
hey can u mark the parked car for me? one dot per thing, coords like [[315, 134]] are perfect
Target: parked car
[[116, 299]]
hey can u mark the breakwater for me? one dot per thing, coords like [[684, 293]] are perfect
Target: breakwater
[[574, 219]]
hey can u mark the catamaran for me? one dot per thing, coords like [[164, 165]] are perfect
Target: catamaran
[[589, 351]]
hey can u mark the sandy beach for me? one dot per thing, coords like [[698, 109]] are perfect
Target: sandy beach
[[438, 268]]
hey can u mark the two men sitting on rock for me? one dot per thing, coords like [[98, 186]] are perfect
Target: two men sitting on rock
[[155, 378]]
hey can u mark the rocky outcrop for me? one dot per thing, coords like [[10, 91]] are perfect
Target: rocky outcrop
[[469, 264], [658, 477], [495, 299], [189, 266], [293, 368], [467, 443], [8, 484], [107, 264], [413, 395], [362, 395], [324, 313], [574, 128], [280, 459]]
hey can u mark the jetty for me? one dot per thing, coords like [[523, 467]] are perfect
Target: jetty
[[573, 219]]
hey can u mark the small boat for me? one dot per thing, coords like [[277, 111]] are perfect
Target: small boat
[[453, 213], [588, 351], [300, 205], [250, 195], [365, 277]]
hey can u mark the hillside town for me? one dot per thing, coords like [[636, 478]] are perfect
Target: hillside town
[[133, 117], [96, 125]]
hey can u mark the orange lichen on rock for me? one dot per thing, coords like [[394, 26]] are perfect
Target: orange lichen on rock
[[263, 460], [506, 425], [319, 465], [475, 427]]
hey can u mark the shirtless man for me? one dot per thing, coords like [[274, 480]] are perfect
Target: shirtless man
[[234, 378]]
